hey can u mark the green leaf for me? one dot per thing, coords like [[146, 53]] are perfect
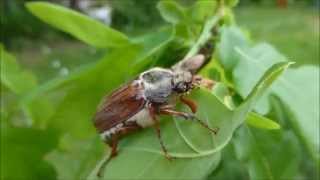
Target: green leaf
[[39, 110], [195, 148], [297, 88], [206, 34], [232, 3], [153, 165], [231, 38], [171, 11], [23, 151], [152, 45], [230, 167], [304, 107], [223, 93], [203, 9], [22, 82], [254, 119], [257, 151], [146, 47], [71, 151], [258, 121], [87, 90], [80, 26], [72, 118], [13, 76]]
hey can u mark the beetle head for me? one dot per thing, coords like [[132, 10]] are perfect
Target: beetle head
[[184, 78], [182, 81]]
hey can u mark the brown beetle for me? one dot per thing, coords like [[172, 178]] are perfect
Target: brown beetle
[[137, 104]]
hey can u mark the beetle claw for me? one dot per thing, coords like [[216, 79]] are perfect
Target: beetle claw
[[168, 157]]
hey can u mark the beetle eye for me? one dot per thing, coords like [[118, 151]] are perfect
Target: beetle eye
[[181, 87]]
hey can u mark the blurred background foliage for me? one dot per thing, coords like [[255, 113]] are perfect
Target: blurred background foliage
[[42, 54], [290, 28]]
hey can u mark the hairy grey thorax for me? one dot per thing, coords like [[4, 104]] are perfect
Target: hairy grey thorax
[[157, 84]]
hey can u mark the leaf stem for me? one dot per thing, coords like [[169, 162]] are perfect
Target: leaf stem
[[205, 36]]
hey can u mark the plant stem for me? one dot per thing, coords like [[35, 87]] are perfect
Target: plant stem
[[205, 36]]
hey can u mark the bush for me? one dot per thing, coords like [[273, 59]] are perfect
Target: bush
[[268, 115]]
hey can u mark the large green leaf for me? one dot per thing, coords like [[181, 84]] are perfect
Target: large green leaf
[[273, 154], [71, 151], [171, 11], [85, 92], [187, 28], [153, 45], [196, 149], [201, 10], [253, 119], [13, 76], [297, 88], [263, 154], [303, 107], [80, 26], [258, 121], [47, 97], [78, 147], [22, 82], [23, 151], [263, 159], [230, 167], [147, 47]]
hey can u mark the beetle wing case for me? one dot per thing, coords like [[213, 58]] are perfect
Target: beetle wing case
[[122, 104]]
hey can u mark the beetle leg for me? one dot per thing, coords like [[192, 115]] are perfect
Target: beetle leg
[[187, 116], [152, 112], [113, 143], [190, 103]]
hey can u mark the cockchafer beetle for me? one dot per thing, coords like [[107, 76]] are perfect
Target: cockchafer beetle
[[155, 92]]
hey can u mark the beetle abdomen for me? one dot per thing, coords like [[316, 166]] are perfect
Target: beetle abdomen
[[142, 118]]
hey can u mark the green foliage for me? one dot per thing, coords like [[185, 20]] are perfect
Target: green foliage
[[15, 23], [189, 149], [232, 2], [131, 16], [248, 63], [201, 10], [12, 76], [265, 25], [86, 29], [171, 11], [63, 144], [23, 150], [78, 157], [259, 121], [262, 159]]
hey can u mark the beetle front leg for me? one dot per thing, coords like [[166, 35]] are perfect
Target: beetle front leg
[[190, 103], [152, 112], [187, 116]]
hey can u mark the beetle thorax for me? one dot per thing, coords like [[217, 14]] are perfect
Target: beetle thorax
[[157, 84]]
